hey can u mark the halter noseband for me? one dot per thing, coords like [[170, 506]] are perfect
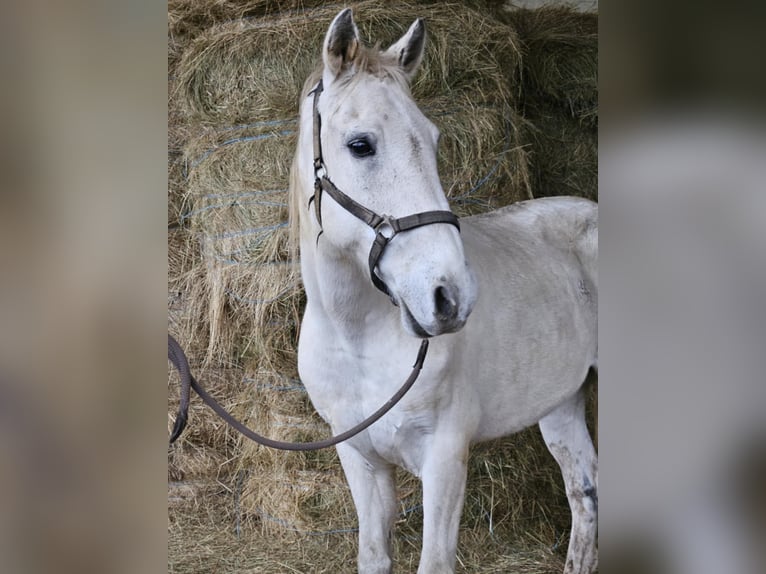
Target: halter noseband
[[379, 223]]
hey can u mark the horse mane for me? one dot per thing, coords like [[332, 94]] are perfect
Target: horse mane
[[370, 61]]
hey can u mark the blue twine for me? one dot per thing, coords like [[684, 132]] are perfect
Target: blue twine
[[296, 385], [485, 179], [280, 388], [244, 193], [289, 526], [255, 138], [264, 123], [209, 152], [272, 263], [234, 203], [411, 509], [227, 260], [465, 198], [251, 231], [276, 297], [336, 531]]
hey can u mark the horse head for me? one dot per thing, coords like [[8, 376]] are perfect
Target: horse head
[[375, 145]]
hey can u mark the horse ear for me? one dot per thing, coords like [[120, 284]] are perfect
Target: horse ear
[[341, 43], [410, 48]]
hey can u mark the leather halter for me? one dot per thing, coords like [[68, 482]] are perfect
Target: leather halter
[[385, 226]]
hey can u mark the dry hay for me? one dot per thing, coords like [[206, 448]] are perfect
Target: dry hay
[[207, 446], [563, 155], [560, 59], [178, 136], [559, 77], [290, 491], [228, 265], [254, 71], [237, 184], [515, 519], [482, 159], [186, 18]]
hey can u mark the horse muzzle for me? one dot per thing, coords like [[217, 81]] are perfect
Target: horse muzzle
[[445, 310]]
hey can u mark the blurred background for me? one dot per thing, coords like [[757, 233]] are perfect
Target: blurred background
[[683, 274]]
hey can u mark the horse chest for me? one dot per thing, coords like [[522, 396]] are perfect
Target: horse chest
[[348, 389], [403, 439], [345, 388]]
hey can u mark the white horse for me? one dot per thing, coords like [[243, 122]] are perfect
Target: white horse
[[525, 274]]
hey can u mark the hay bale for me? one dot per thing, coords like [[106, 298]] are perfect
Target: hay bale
[[294, 492], [240, 73], [560, 58], [179, 135], [482, 159], [254, 71], [250, 299], [208, 445], [563, 155], [186, 18], [559, 101]]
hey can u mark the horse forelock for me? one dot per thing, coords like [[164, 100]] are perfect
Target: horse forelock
[[368, 61]]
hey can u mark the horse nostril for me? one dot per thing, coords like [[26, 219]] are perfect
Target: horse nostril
[[446, 307]]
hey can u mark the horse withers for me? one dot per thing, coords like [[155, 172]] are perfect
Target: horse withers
[[508, 300]]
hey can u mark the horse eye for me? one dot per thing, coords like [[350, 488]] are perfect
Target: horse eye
[[361, 148]]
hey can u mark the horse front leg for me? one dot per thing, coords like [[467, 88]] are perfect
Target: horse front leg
[[444, 478], [373, 489]]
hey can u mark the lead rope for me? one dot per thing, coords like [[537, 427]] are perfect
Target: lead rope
[[178, 358]]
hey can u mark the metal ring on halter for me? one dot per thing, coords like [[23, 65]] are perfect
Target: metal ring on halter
[[387, 222], [320, 170]]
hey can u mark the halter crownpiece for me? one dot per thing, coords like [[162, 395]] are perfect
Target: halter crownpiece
[[379, 223]]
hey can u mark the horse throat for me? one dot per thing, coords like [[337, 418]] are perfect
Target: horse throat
[[339, 288]]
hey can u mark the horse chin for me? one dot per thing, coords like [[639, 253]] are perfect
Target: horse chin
[[411, 324], [416, 329]]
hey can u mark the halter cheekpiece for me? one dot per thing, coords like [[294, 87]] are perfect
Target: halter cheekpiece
[[385, 226]]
